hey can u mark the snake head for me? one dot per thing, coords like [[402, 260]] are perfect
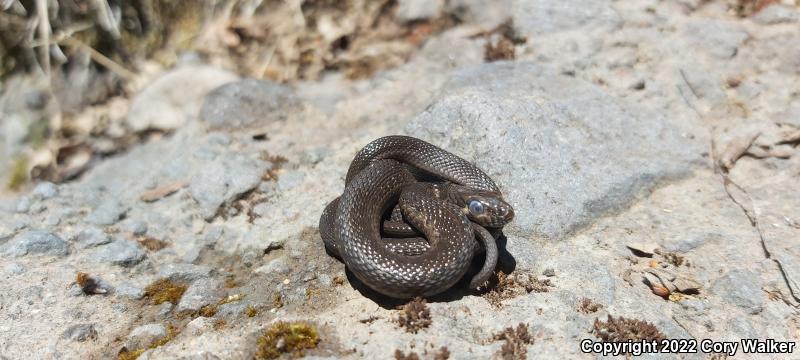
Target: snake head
[[485, 208]]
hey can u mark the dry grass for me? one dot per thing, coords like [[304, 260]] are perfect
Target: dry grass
[[515, 342], [623, 329], [503, 287], [415, 316], [283, 41]]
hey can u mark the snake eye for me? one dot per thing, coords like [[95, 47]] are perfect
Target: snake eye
[[476, 207]]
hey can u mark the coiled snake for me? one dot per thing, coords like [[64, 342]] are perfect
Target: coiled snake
[[395, 181]]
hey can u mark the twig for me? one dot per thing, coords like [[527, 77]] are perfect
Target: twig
[[101, 59], [263, 69], [106, 19], [44, 34]]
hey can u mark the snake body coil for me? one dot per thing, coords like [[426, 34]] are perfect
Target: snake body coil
[[394, 171]]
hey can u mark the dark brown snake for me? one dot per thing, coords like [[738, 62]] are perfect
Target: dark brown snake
[[395, 181]]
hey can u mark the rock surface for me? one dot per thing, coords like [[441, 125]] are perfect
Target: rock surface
[[564, 151], [603, 123]]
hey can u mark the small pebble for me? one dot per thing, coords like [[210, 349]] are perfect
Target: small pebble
[[52, 220], [75, 291], [80, 332], [92, 237], [45, 190], [136, 227], [290, 179], [107, 213], [23, 205], [165, 308], [131, 292], [325, 280]]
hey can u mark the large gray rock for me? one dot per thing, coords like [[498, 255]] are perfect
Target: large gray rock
[[549, 16], [562, 150], [222, 180], [35, 242], [247, 103], [172, 99]]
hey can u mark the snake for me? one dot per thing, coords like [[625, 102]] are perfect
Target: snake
[[411, 218]]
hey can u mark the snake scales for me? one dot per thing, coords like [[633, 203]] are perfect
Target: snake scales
[[399, 188]]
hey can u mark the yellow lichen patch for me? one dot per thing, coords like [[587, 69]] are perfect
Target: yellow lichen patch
[[19, 173], [286, 338], [130, 355], [165, 290], [250, 311]]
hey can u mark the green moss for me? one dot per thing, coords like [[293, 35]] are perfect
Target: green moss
[[165, 290], [130, 355], [286, 338], [19, 173]]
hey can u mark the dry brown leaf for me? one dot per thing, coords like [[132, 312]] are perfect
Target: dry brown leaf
[[163, 190]]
